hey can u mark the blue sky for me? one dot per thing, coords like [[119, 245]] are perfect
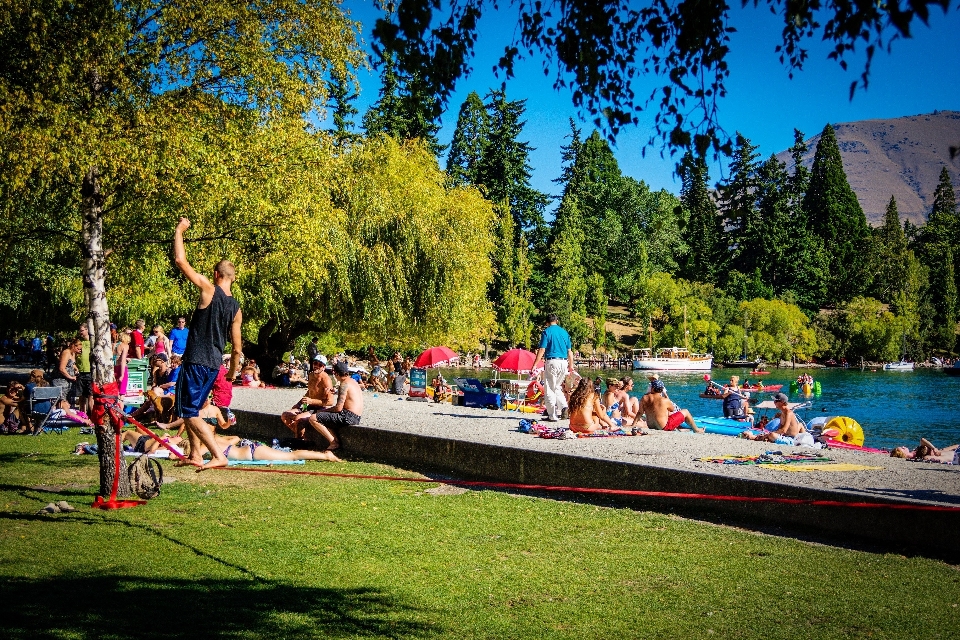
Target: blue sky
[[921, 75]]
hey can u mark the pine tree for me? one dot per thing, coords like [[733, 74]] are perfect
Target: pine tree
[[404, 110], [800, 178], [943, 224], [738, 201], [384, 117], [835, 216], [504, 170], [510, 289], [891, 251], [944, 292], [341, 103], [470, 141], [566, 277], [767, 243], [702, 229]]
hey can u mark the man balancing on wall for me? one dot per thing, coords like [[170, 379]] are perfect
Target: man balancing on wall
[[216, 319]]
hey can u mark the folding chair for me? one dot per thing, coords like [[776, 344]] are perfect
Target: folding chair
[[41, 420]]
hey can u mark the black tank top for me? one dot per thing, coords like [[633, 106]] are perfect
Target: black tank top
[[210, 329]]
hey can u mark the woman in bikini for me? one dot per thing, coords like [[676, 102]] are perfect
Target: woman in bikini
[[235, 448], [586, 412], [610, 400], [926, 452]]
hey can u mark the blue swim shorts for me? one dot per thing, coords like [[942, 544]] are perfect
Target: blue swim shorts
[[193, 387]]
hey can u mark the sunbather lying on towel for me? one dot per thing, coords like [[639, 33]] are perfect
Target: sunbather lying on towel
[[145, 444], [926, 452], [235, 448]]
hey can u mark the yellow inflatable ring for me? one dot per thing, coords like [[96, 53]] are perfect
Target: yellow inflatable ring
[[849, 429]]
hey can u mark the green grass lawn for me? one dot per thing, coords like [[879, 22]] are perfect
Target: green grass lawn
[[228, 554]]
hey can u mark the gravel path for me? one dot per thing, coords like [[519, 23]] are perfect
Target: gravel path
[[895, 478]]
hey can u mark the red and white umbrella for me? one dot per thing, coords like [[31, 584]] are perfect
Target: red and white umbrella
[[517, 361], [435, 357]]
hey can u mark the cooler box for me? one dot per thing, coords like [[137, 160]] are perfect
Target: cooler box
[[138, 374]]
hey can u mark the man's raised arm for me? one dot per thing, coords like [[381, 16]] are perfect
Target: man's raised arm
[[180, 257]]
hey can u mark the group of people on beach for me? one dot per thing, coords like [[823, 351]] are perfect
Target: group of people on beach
[[583, 405]]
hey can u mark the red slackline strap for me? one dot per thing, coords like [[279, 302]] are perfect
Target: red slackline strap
[[619, 492]]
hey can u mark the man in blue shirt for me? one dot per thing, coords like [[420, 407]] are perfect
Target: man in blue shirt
[[178, 337], [556, 351]]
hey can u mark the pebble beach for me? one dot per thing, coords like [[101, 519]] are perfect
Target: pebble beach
[[888, 478]]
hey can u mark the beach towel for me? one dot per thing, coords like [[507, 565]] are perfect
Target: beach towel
[[263, 463], [769, 458], [159, 453], [838, 466]]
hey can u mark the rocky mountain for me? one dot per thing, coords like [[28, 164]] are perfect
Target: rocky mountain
[[901, 157]]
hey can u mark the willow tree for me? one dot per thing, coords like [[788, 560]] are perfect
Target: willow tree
[[98, 96]]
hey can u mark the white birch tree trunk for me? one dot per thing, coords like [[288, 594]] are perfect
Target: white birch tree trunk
[[98, 322]]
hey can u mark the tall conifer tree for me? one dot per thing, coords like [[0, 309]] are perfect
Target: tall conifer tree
[[835, 216], [703, 227], [504, 171], [738, 201], [470, 141], [943, 225], [891, 249], [342, 110]]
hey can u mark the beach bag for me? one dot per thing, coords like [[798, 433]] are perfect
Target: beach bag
[[146, 477]]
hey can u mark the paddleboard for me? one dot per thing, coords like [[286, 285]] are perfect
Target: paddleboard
[[722, 426]]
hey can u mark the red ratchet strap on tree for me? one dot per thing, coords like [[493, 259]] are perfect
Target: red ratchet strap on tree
[[106, 402]]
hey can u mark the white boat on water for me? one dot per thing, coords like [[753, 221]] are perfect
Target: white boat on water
[[903, 365], [671, 359]]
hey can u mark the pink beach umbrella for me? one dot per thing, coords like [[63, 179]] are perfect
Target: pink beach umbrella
[[435, 357], [516, 361]]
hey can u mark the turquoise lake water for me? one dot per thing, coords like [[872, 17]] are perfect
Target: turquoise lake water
[[894, 408]]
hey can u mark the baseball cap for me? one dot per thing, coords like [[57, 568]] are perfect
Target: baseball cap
[[322, 359], [341, 369], [780, 397]]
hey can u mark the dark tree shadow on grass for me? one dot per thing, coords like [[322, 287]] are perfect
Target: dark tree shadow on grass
[[52, 460], [119, 606]]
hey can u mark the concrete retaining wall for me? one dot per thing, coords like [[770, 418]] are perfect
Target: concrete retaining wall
[[933, 533]]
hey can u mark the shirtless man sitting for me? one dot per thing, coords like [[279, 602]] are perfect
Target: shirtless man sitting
[[347, 411], [790, 432], [662, 413], [319, 395]]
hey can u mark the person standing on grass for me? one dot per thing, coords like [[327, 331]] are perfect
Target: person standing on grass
[[556, 351], [178, 337], [84, 375], [138, 346], [216, 318]]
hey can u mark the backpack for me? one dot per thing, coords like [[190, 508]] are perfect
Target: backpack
[[146, 477]]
